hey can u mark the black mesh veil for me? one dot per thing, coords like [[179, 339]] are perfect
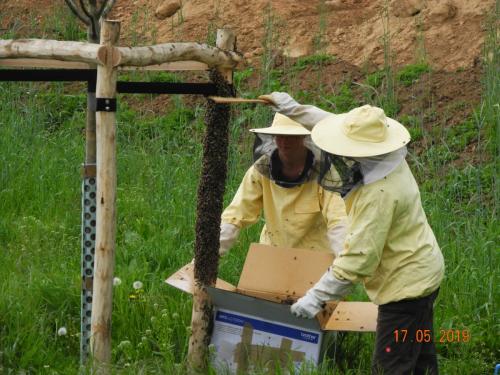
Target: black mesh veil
[[338, 173], [267, 163], [334, 173]]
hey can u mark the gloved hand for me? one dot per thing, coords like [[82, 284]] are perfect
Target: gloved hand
[[328, 288], [336, 237], [228, 235], [280, 101], [307, 115]]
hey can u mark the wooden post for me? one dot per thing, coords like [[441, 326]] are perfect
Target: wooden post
[[90, 145], [226, 40], [209, 209], [106, 201]]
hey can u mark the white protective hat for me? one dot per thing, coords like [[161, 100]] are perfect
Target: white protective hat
[[283, 125], [362, 132]]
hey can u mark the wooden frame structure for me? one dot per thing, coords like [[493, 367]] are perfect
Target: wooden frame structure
[[109, 58]]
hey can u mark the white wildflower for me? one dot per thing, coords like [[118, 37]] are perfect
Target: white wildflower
[[137, 285], [124, 344], [117, 281], [62, 331]]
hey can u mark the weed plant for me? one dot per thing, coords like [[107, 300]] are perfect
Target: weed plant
[[388, 98]]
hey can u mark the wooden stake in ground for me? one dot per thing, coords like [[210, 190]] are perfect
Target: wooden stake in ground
[[106, 202], [90, 13], [209, 210]]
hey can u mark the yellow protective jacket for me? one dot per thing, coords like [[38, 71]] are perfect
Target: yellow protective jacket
[[296, 217], [389, 245]]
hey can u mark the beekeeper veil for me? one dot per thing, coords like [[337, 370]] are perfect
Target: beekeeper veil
[[265, 152]]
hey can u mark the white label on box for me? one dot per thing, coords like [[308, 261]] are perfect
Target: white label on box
[[244, 341]]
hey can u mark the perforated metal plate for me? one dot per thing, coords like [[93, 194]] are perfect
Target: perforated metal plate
[[88, 250]]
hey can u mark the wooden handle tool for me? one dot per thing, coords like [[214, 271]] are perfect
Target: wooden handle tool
[[231, 100]]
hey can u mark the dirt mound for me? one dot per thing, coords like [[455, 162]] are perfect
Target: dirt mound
[[447, 33]]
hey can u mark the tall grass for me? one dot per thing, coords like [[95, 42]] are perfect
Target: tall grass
[[42, 146]]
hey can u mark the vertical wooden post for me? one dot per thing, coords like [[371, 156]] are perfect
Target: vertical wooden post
[[106, 201], [209, 209], [226, 40]]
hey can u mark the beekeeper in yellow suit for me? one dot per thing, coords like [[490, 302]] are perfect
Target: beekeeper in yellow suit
[[389, 245], [283, 185]]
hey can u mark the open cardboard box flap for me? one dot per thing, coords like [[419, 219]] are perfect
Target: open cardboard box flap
[[283, 275], [183, 279]]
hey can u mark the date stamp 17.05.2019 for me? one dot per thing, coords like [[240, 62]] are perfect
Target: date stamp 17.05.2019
[[426, 335]]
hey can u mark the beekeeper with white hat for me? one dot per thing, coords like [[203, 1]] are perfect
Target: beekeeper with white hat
[[389, 245], [282, 184]]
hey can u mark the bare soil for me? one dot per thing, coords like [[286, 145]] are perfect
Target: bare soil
[[448, 34]]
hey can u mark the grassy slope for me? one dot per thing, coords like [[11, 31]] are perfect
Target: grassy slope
[[41, 147]]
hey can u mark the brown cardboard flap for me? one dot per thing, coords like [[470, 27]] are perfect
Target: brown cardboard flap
[[183, 279], [281, 273], [269, 296], [324, 315], [353, 316]]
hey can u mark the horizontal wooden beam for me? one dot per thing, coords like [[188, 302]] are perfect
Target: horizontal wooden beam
[[40, 63], [58, 64], [92, 53], [171, 66], [171, 52], [50, 49]]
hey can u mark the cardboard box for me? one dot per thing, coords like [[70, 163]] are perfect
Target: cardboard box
[[253, 325]]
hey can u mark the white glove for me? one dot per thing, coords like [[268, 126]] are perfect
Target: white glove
[[328, 288], [228, 235], [307, 115], [336, 237]]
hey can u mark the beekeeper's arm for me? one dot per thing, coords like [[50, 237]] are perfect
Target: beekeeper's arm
[[369, 223], [334, 212], [244, 210], [307, 115]]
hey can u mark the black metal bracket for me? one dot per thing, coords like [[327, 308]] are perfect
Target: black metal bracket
[[105, 104], [89, 76]]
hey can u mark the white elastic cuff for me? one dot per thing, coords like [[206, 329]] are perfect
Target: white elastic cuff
[[228, 235], [330, 288]]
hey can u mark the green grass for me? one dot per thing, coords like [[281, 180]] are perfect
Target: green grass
[[159, 159], [411, 73], [375, 79], [158, 166], [312, 60]]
